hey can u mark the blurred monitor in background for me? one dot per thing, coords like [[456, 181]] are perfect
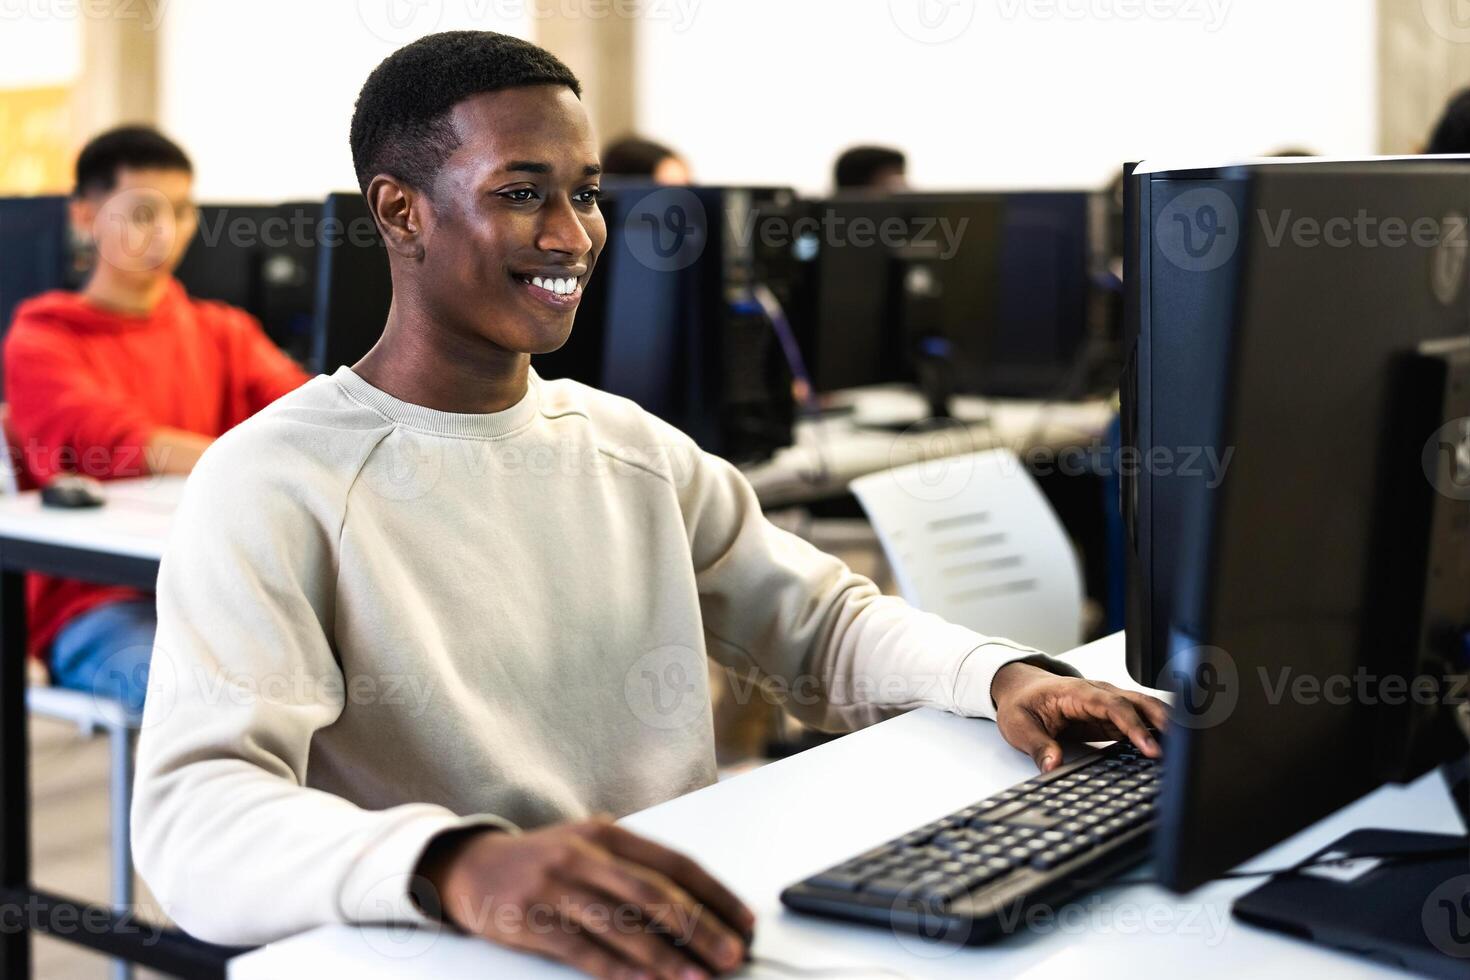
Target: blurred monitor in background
[[1452, 133], [634, 156], [872, 168]]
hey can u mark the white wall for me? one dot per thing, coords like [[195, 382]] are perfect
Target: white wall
[[1028, 93], [38, 49], [260, 93]]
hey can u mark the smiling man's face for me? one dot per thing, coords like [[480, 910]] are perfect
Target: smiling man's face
[[513, 228]]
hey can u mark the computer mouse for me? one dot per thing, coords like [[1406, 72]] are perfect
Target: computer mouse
[[72, 491]]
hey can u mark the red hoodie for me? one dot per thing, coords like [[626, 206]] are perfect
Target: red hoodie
[[88, 386]]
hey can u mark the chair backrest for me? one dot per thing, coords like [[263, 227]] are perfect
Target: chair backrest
[[972, 539]]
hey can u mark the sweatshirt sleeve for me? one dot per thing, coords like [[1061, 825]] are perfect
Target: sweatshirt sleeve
[[841, 653], [236, 847], [63, 419]]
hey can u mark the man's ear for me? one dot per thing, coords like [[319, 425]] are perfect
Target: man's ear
[[399, 210], [83, 213]]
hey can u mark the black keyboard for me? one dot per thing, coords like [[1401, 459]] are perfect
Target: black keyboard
[[978, 873]]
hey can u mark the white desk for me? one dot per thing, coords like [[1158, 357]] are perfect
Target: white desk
[[764, 830], [119, 543], [831, 452], [134, 522]]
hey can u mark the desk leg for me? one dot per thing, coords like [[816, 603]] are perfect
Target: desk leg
[[15, 790]]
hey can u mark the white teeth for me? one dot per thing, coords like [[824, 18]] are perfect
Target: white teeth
[[561, 287]]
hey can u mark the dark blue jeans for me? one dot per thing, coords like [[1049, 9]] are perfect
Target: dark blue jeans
[[105, 652]]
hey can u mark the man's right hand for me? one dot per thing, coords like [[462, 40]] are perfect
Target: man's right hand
[[594, 896]]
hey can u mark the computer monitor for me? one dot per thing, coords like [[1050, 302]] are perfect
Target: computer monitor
[[35, 251], [985, 293], [353, 286], [1299, 498], [669, 317], [262, 259]]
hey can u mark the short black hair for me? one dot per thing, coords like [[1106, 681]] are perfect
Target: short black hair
[[858, 166], [133, 147], [1452, 132], [401, 123], [634, 156]]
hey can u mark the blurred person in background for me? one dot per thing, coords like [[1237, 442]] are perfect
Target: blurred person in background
[[126, 378], [1452, 133], [634, 156], [871, 168]]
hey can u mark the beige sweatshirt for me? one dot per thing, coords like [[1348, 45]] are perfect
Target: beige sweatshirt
[[378, 621]]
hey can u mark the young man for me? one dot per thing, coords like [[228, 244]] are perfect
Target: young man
[[461, 616], [128, 377]]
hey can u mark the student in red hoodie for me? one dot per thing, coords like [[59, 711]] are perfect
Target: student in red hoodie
[[127, 378]]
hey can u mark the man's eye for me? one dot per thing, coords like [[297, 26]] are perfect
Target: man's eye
[[520, 194], [589, 196]]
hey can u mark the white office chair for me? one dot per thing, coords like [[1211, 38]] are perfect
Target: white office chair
[[90, 714], [972, 539]]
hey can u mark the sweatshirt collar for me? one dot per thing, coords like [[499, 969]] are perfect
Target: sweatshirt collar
[[488, 425]]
